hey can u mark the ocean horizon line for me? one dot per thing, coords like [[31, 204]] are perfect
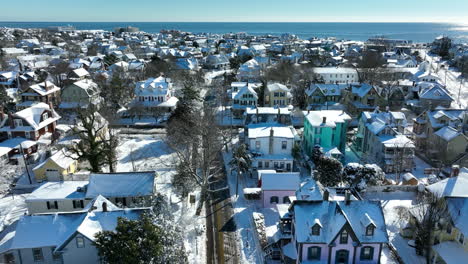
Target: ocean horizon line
[[264, 22]]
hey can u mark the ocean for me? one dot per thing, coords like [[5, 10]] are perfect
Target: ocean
[[417, 32]]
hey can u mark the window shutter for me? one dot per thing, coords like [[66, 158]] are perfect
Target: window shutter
[[74, 204], [48, 205], [81, 204], [56, 205]]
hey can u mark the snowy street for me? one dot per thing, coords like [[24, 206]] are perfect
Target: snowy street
[[457, 87]]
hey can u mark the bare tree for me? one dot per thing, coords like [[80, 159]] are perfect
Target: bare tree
[[91, 129], [429, 214], [198, 147]]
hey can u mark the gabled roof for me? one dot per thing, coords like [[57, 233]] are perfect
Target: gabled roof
[[125, 184], [44, 88], [246, 90], [451, 187], [448, 133], [56, 230], [334, 215], [436, 93], [32, 115]]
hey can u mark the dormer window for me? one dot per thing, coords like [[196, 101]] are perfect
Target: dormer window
[[45, 116], [18, 122], [370, 230], [316, 230]]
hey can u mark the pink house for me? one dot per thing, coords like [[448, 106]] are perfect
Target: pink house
[[277, 188]]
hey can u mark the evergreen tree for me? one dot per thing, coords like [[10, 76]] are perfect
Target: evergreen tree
[[360, 176], [149, 239], [329, 171]]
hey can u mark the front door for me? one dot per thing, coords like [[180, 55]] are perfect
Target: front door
[[342, 257]]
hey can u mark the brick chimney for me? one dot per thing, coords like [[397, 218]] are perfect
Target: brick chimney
[[455, 171], [326, 195], [10, 119], [347, 197], [270, 146], [324, 121]]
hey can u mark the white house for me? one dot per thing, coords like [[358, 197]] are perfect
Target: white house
[[66, 238], [243, 97], [337, 75], [271, 146], [128, 189], [155, 92]]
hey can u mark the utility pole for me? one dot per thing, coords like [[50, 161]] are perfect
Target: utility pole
[[25, 163]]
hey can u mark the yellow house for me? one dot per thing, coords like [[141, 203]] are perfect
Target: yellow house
[[56, 168], [277, 94]]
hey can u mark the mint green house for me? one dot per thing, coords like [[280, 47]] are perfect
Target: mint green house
[[326, 128]]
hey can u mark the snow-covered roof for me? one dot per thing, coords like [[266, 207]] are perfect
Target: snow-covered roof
[[309, 191], [451, 252], [334, 70], [447, 133], [435, 93], [287, 181], [315, 118], [263, 130], [61, 158], [361, 90], [274, 87], [13, 143], [451, 187], [247, 89], [58, 191], [44, 88], [398, 141], [153, 86], [81, 72], [55, 230], [458, 209], [125, 184], [326, 89], [33, 115], [333, 215]]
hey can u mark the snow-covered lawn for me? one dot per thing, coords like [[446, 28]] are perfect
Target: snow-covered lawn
[[418, 171], [150, 152], [391, 201]]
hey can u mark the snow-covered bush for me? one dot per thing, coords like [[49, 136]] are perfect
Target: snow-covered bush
[[360, 176]]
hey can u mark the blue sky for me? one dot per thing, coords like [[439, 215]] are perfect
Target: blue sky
[[239, 11]]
